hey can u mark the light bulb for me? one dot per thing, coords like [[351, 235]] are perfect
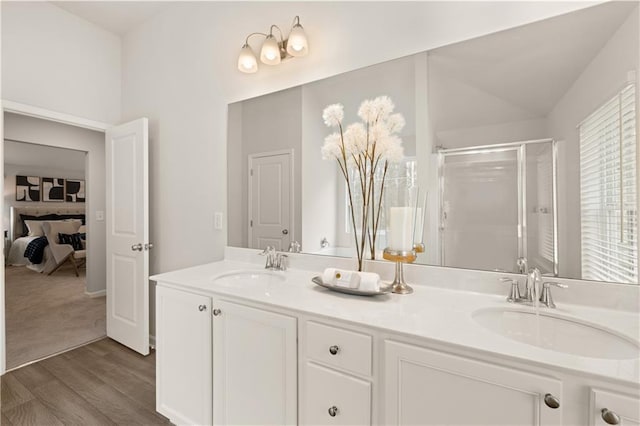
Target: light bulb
[[270, 53], [297, 44], [247, 61]]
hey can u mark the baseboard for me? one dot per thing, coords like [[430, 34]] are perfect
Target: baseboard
[[99, 293]]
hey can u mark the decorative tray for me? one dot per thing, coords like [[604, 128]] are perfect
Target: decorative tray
[[384, 288]]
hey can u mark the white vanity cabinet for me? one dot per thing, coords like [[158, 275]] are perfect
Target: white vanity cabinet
[[426, 387], [255, 377], [183, 356], [337, 365], [225, 363], [609, 408]]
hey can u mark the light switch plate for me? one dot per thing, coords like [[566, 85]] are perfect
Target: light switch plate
[[217, 220]]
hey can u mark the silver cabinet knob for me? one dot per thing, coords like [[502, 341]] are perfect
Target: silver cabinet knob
[[148, 246], [217, 312], [333, 411], [333, 350], [285, 231], [136, 247], [202, 308], [551, 401], [610, 417]]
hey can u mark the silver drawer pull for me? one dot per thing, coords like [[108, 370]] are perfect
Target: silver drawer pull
[[217, 312], [333, 411], [610, 417], [551, 401], [333, 350]]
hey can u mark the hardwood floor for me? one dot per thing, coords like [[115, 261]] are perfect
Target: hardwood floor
[[103, 383]]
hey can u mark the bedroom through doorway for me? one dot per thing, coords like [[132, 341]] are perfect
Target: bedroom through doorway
[[50, 306]]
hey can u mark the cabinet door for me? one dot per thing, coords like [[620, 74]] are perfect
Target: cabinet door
[[334, 398], [622, 407], [183, 356], [254, 366], [424, 387]]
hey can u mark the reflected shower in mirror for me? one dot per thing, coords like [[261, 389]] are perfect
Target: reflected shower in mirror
[[525, 141]]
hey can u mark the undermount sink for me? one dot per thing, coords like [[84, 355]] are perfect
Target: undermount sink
[[557, 333], [248, 278]]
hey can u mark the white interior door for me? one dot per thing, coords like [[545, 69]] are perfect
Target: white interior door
[[127, 178], [270, 200]]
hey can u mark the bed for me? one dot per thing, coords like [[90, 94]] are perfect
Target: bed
[[20, 242]]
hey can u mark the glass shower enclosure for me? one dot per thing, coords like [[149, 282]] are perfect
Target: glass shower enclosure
[[498, 207]]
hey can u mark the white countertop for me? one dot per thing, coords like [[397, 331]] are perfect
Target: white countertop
[[432, 313]]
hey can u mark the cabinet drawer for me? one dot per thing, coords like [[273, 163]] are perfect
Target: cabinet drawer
[[333, 398], [341, 348]]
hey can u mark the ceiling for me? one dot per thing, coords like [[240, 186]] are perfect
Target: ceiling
[[118, 17], [521, 73]]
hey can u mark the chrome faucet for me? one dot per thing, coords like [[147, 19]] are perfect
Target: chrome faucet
[[522, 264], [533, 280], [274, 261]]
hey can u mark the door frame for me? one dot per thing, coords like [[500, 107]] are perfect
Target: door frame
[[43, 114], [292, 219]]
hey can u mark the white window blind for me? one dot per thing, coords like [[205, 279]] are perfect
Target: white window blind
[[608, 193]]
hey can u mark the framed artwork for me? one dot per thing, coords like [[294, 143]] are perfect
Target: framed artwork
[[27, 188], [53, 189], [74, 191]]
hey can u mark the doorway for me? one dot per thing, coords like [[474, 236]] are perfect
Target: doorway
[[271, 200]]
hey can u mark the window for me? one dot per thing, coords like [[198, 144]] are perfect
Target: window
[[608, 194]]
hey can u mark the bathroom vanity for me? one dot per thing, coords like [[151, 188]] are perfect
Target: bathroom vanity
[[240, 345]]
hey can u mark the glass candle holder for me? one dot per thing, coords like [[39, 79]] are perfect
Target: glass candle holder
[[404, 220]]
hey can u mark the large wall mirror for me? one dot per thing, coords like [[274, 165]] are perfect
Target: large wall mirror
[[524, 139]]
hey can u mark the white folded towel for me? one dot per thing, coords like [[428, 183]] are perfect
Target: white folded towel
[[369, 281], [340, 278]]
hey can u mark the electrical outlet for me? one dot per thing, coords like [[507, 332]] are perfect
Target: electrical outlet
[[217, 220]]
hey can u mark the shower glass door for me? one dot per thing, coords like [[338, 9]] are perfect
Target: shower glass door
[[481, 208]]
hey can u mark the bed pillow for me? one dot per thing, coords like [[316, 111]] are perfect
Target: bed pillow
[[52, 229], [25, 217], [75, 240], [33, 228], [80, 217]]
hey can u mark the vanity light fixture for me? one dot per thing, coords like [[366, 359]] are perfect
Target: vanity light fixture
[[274, 51]]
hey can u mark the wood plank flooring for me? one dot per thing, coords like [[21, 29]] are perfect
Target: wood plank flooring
[[103, 383]]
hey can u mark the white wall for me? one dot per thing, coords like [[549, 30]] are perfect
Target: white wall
[[605, 75], [58, 61], [42, 132]]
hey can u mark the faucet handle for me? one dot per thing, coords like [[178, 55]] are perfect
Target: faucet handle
[[267, 250], [545, 297], [514, 293]]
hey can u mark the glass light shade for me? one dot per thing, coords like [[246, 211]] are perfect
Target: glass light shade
[[247, 61], [297, 44], [270, 53]]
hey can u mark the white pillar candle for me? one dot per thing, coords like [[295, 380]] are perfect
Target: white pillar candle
[[401, 228]]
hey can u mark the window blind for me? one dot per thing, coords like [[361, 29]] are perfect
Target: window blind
[[608, 193]]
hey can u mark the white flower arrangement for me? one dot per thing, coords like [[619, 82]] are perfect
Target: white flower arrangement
[[365, 148]]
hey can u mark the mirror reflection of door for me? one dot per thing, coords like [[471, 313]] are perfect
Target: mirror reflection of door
[[480, 209], [270, 200]]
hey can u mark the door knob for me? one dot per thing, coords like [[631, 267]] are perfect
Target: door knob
[[610, 417], [285, 231], [148, 246], [136, 247], [551, 401]]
